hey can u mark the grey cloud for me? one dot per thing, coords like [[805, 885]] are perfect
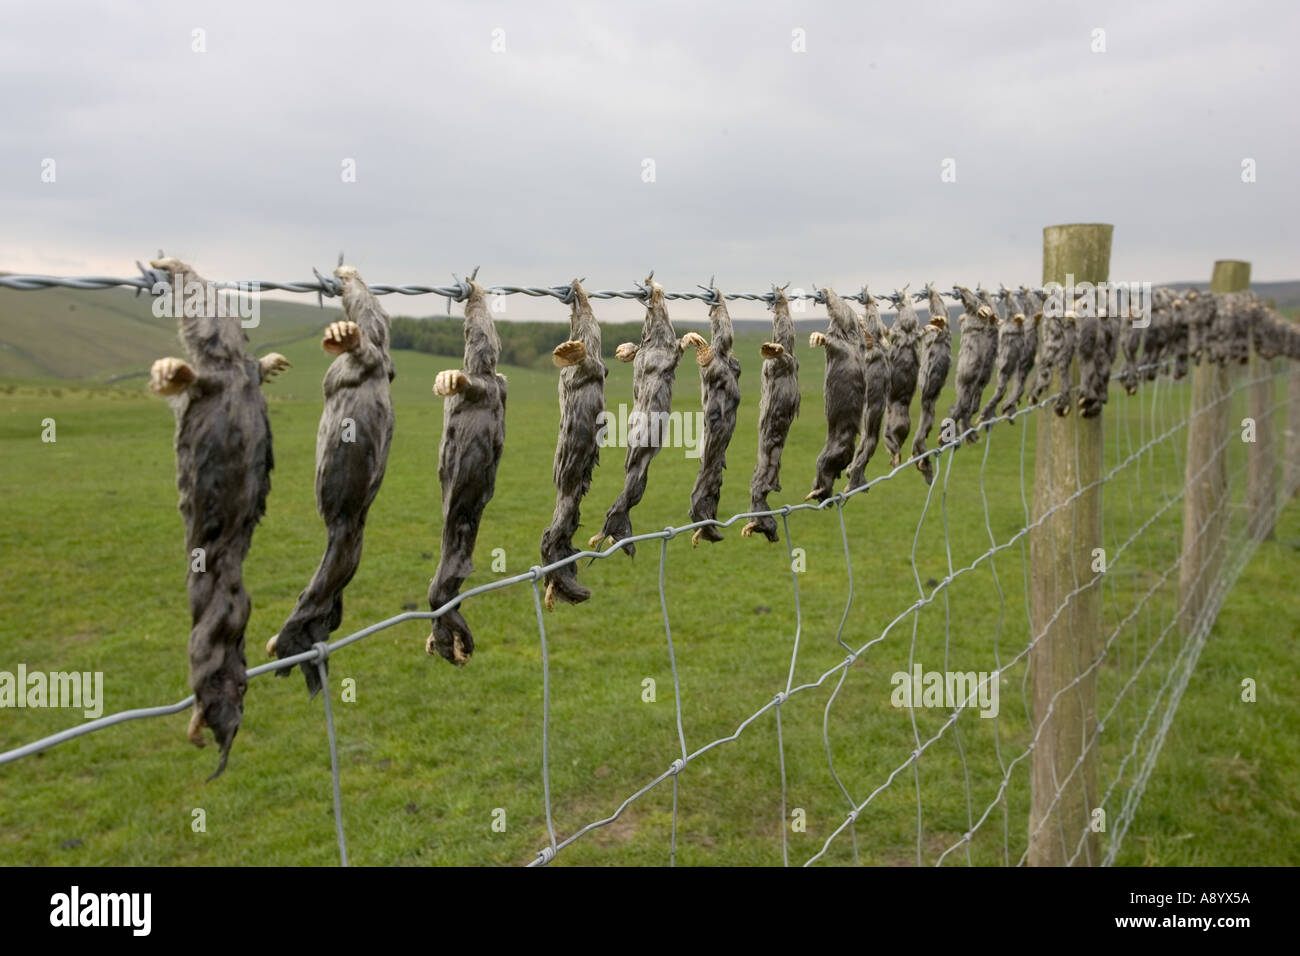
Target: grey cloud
[[771, 165]]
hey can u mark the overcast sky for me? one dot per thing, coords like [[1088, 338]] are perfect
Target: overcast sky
[[770, 165]]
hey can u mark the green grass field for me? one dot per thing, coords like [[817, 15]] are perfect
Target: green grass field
[[92, 572]]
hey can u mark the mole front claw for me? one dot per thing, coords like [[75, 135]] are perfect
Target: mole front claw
[[270, 645], [692, 340], [450, 382], [569, 353], [770, 350], [341, 337], [748, 530], [170, 376], [549, 600], [273, 363], [817, 339], [626, 352]]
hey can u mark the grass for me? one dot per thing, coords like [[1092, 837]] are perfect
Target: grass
[[92, 573]]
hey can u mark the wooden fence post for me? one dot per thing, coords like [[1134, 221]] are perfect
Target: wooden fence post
[[1068, 457], [1261, 468], [1205, 515], [1291, 466]]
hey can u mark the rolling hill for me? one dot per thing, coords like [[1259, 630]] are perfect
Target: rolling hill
[[75, 334]]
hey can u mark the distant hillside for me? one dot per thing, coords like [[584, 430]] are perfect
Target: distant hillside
[[76, 334]]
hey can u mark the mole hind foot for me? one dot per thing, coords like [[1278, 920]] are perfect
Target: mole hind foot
[[195, 731], [450, 382], [569, 353], [341, 337], [708, 533], [450, 638], [170, 376], [569, 591], [457, 650]]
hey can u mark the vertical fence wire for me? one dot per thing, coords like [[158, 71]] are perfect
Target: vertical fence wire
[[322, 649]]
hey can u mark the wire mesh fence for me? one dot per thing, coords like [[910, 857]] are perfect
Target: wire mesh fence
[[905, 734]]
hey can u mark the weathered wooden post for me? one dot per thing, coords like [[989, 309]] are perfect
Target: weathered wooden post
[[1068, 457], [1205, 512], [1261, 467], [1291, 468]]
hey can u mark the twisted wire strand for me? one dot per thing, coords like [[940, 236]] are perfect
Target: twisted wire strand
[[323, 285]]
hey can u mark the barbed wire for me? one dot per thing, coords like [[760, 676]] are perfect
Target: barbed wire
[[156, 280]]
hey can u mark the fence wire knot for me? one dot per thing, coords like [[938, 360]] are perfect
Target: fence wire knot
[[677, 766], [329, 285], [462, 288], [155, 278], [322, 650]]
